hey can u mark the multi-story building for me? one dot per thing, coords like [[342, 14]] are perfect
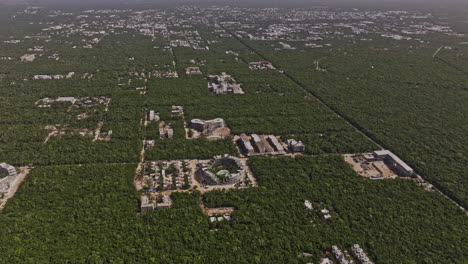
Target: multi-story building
[[394, 162]]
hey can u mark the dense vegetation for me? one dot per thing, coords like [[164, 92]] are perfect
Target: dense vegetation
[[88, 213], [403, 98], [79, 204]]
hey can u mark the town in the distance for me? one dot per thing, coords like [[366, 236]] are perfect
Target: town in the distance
[[215, 133]]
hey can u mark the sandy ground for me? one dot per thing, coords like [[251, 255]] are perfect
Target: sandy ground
[[221, 210], [219, 133], [24, 171], [370, 169]]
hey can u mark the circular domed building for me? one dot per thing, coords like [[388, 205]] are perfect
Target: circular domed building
[[222, 170]]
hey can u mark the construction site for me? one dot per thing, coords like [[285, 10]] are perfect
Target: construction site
[[59, 130], [381, 164], [193, 71], [219, 214], [152, 116], [151, 202], [177, 110], [223, 172], [211, 129], [157, 180], [261, 65], [223, 84], [76, 102], [80, 108], [166, 130], [10, 180], [159, 176]]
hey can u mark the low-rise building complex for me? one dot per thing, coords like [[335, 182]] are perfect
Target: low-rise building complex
[[267, 145], [223, 84], [211, 129]]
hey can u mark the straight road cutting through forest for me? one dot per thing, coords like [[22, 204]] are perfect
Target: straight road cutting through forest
[[358, 128]]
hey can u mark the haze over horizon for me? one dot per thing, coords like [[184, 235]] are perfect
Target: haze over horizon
[[275, 3]]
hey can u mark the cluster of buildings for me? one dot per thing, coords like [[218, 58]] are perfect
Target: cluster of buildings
[[324, 261], [28, 57], [295, 146], [166, 131], [313, 28], [89, 101], [85, 102], [395, 37], [7, 181], [220, 218], [61, 130], [164, 74], [150, 203], [36, 49], [380, 164], [223, 84], [223, 169], [191, 38], [193, 71], [307, 27], [360, 254], [326, 213], [153, 116], [64, 129], [261, 65], [148, 144], [138, 79], [260, 144], [177, 110], [54, 56], [103, 135], [13, 41], [197, 62], [53, 76], [267, 145], [219, 214], [77, 103], [179, 43], [167, 175], [339, 255], [211, 129], [47, 102], [87, 75]]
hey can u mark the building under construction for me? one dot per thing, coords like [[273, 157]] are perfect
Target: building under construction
[[166, 131], [211, 174], [10, 177], [149, 202], [392, 161], [212, 129], [260, 145], [260, 65]]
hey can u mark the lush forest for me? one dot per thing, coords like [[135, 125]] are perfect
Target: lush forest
[[84, 214], [79, 203], [272, 103], [400, 96]]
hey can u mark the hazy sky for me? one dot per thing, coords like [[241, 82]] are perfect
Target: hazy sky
[[371, 3]]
